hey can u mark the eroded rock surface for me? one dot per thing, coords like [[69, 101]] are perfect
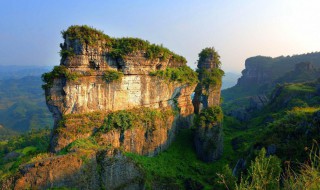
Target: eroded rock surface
[[208, 138], [90, 93]]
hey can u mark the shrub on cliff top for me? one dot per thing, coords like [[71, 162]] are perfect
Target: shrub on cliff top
[[125, 46], [85, 34], [209, 53], [118, 47], [182, 74]]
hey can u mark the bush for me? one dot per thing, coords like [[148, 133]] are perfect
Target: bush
[[142, 117], [80, 144], [64, 53], [86, 34], [182, 74], [209, 53], [209, 117], [118, 47], [211, 77], [111, 75], [57, 72]]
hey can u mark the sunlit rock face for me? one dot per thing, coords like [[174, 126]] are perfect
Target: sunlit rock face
[[208, 137], [90, 93]]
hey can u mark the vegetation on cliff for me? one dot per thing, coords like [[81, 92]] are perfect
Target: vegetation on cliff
[[211, 77], [209, 117], [182, 74], [117, 48], [121, 47], [142, 117], [57, 72], [288, 127], [85, 34], [178, 167], [211, 55], [111, 75], [210, 74]]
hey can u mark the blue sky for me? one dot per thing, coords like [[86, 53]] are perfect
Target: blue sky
[[30, 30]]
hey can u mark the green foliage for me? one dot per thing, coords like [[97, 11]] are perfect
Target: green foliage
[[118, 48], [57, 72], [142, 117], [308, 177], [211, 77], [80, 144], [64, 53], [278, 70], [86, 34], [125, 46], [182, 74], [209, 117], [119, 120], [298, 127], [226, 178], [210, 53], [112, 75], [264, 173], [178, 167]]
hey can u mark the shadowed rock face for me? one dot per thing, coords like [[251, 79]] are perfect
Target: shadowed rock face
[[104, 170]]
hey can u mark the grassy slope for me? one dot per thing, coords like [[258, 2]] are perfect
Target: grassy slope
[[178, 164], [284, 122]]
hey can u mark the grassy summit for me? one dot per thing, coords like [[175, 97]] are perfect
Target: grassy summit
[[118, 47]]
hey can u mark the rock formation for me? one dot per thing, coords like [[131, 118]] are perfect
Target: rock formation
[[110, 97], [91, 63], [208, 137]]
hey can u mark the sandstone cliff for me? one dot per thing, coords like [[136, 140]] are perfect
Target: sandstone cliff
[[208, 137], [111, 96], [103, 75]]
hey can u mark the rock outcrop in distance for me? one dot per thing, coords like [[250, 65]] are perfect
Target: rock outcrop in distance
[[261, 75], [110, 96]]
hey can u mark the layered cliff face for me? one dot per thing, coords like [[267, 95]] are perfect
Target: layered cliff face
[[109, 96], [112, 96], [103, 75], [208, 138]]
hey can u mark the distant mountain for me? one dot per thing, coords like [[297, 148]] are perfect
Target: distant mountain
[[229, 80], [18, 71], [22, 104], [261, 74], [6, 133]]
